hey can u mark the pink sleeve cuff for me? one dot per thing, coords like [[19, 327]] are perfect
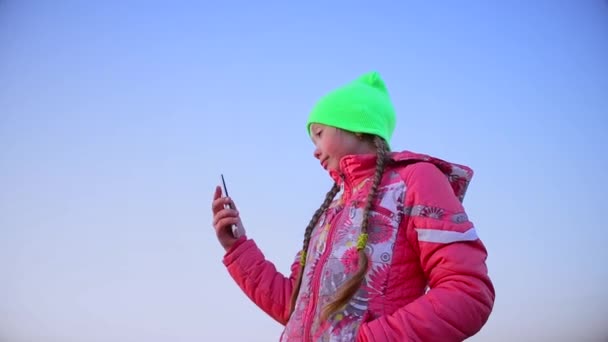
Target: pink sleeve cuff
[[239, 247]]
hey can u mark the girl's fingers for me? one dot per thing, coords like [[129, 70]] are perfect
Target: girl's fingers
[[219, 204], [225, 213], [219, 201], [225, 222]]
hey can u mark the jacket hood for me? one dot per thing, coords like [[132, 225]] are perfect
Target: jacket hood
[[354, 168]]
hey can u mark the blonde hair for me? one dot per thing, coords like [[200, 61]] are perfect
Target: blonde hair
[[348, 290]]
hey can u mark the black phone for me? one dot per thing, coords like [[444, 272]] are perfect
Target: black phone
[[235, 229]]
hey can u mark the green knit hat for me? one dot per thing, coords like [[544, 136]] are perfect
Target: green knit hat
[[361, 106]]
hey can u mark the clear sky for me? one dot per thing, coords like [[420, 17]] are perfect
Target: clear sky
[[116, 121]]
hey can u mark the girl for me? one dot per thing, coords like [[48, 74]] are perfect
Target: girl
[[393, 258]]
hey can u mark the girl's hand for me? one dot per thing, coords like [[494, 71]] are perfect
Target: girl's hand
[[224, 218]]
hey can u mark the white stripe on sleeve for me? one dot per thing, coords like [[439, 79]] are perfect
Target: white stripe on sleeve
[[444, 236]]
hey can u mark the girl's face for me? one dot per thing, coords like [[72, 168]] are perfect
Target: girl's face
[[331, 144]]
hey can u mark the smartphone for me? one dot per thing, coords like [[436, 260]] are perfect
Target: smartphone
[[235, 229]]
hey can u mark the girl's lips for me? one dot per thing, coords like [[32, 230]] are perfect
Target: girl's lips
[[324, 164]]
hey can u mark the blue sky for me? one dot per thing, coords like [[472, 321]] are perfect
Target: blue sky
[[116, 121]]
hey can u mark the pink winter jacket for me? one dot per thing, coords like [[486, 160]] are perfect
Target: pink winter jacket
[[427, 277]]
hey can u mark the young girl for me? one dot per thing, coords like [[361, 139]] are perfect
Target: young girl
[[389, 256]]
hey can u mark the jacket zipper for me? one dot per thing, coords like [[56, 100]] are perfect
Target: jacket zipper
[[319, 271]]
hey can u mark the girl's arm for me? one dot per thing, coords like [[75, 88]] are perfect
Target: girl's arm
[[461, 294], [259, 279]]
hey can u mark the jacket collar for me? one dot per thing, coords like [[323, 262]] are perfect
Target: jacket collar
[[354, 168]]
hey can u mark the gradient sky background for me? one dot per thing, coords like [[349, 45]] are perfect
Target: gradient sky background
[[116, 121]]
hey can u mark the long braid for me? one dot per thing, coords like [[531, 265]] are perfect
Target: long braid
[[311, 225], [348, 290]]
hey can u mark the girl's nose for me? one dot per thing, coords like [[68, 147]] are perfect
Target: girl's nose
[[317, 153]]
